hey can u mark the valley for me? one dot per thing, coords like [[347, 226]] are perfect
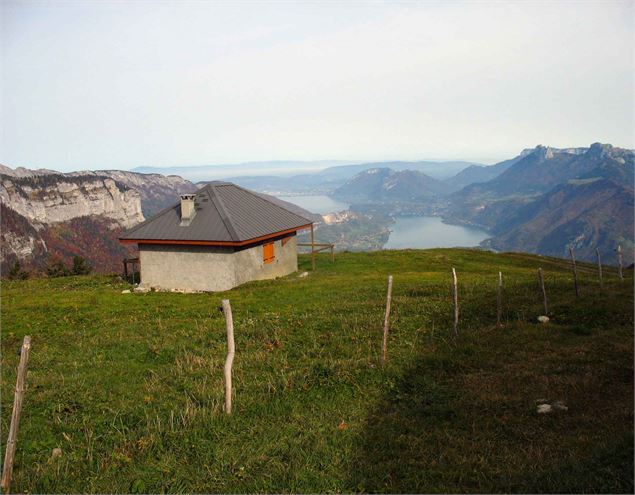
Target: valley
[[541, 201]]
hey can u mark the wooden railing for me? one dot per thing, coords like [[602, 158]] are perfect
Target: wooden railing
[[132, 262], [322, 246]]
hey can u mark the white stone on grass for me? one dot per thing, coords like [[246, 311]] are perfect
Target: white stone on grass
[[544, 409], [543, 319], [125, 291]]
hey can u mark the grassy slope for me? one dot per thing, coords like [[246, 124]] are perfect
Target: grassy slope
[[130, 386]]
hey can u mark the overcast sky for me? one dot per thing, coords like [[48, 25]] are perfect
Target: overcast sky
[[105, 84]]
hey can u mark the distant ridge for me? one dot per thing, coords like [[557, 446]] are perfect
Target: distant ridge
[[198, 173], [323, 171]]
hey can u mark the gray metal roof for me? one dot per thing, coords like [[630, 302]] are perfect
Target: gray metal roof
[[225, 212]]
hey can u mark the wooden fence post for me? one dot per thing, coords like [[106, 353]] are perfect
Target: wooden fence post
[[312, 248], [575, 273], [231, 349], [544, 291], [499, 300], [456, 303], [597, 252], [619, 262], [18, 398], [384, 346]]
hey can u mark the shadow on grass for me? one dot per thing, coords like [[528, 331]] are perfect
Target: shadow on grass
[[451, 425]]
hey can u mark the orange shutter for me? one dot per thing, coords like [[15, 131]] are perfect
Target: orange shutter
[[267, 252]]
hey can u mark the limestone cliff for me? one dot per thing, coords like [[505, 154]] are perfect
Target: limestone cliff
[[156, 191], [49, 199], [21, 240], [63, 215]]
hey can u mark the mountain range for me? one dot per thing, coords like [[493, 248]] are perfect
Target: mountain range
[[326, 180], [541, 201], [284, 168], [388, 185]]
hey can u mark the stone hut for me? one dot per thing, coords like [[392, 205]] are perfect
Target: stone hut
[[220, 237]]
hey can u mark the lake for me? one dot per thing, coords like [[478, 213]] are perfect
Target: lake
[[431, 232], [317, 204], [407, 232]]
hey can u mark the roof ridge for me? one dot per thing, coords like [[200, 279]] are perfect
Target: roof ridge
[[222, 211], [235, 215], [253, 193]]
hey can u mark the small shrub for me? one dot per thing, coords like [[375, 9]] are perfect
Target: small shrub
[[80, 266], [17, 273], [57, 268]]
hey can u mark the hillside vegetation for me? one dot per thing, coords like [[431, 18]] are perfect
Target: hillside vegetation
[[130, 386]]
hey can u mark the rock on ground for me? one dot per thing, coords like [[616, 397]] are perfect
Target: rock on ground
[[544, 408]]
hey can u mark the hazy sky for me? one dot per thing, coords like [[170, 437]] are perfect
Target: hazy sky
[[105, 84]]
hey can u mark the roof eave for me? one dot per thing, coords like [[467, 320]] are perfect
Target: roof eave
[[186, 242]]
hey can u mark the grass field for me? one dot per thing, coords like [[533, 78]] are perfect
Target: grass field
[[130, 386]]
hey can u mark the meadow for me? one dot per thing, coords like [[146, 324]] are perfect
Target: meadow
[[130, 386]]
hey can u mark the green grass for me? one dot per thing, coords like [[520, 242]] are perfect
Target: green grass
[[130, 386]]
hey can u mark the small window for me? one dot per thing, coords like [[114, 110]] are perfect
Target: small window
[[267, 253]]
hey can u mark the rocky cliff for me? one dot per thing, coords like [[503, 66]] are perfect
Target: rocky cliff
[[156, 191], [47, 214], [21, 240], [53, 198]]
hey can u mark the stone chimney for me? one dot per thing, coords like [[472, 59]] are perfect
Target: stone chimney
[[187, 209]]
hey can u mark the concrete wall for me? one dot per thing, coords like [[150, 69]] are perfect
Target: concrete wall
[[212, 268], [249, 264]]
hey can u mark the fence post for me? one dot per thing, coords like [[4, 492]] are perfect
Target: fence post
[[499, 300], [456, 303], [384, 347], [312, 248], [597, 251], [619, 262], [575, 273], [231, 349], [544, 291], [18, 398]]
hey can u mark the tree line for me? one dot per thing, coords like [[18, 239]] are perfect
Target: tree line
[[54, 268]]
